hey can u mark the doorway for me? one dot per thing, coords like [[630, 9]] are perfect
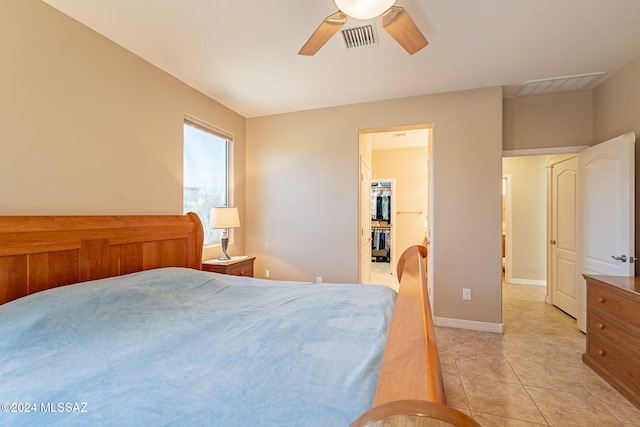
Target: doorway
[[398, 157], [594, 223], [540, 201], [525, 223]]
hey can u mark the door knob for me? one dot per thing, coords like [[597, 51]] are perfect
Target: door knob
[[622, 258], [553, 242]]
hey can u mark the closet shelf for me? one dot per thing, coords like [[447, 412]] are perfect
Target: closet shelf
[[381, 227]]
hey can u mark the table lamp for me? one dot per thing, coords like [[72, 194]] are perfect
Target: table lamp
[[224, 218]]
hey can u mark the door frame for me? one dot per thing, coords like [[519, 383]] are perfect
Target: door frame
[[508, 235], [364, 144], [364, 227]]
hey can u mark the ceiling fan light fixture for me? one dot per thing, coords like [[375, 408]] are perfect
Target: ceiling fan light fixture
[[364, 9]]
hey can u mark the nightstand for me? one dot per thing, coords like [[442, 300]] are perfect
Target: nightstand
[[236, 266]]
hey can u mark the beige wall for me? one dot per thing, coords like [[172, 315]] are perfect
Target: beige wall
[[548, 121], [302, 189], [87, 127], [410, 168], [616, 104], [529, 217]]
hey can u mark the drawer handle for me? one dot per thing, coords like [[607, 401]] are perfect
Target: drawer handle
[[600, 325], [602, 299], [602, 352]]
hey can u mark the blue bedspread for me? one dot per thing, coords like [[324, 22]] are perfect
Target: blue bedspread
[[183, 347]]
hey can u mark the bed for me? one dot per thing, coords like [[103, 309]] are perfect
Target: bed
[[108, 320]]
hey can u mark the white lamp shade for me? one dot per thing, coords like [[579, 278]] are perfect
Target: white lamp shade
[[364, 9], [224, 217]]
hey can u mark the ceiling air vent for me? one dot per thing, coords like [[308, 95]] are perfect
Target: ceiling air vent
[[359, 36], [560, 84]]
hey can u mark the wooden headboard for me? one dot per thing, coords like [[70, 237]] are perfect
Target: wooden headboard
[[43, 252]]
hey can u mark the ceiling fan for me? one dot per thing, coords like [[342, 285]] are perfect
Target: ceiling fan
[[394, 19]]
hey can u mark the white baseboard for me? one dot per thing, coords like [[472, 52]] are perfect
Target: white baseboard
[[534, 282], [473, 325]]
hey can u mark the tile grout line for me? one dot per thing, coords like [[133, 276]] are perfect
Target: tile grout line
[[527, 391], [602, 402]]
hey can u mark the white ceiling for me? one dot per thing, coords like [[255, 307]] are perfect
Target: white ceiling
[[243, 53]]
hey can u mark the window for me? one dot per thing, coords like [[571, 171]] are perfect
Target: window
[[206, 173]]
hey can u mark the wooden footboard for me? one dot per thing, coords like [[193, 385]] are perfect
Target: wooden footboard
[[411, 364], [43, 252], [410, 387]]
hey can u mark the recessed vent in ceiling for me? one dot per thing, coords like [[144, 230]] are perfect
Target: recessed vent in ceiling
[[559, 84], [359, 36]]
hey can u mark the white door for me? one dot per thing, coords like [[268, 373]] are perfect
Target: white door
[[607, 201], [365, 222], [563, 243]]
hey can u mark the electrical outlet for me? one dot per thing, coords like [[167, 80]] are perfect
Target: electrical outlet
[[466, 294], [266, 273], [319, 279]]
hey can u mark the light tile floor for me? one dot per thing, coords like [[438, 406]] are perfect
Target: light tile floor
[[381, 275], [531, 375]]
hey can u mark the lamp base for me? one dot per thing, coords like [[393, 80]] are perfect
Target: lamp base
[[225, 244]]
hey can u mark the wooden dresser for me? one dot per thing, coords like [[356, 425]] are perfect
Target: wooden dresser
[[613, 332]]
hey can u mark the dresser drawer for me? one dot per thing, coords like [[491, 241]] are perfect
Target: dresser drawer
[[613, 331], [614, 304], [615, 360]]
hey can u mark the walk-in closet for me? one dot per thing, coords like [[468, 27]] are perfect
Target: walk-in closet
[[381, 226]]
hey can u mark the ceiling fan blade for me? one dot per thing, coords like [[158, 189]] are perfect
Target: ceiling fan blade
[[397, 22], [323, 33]]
